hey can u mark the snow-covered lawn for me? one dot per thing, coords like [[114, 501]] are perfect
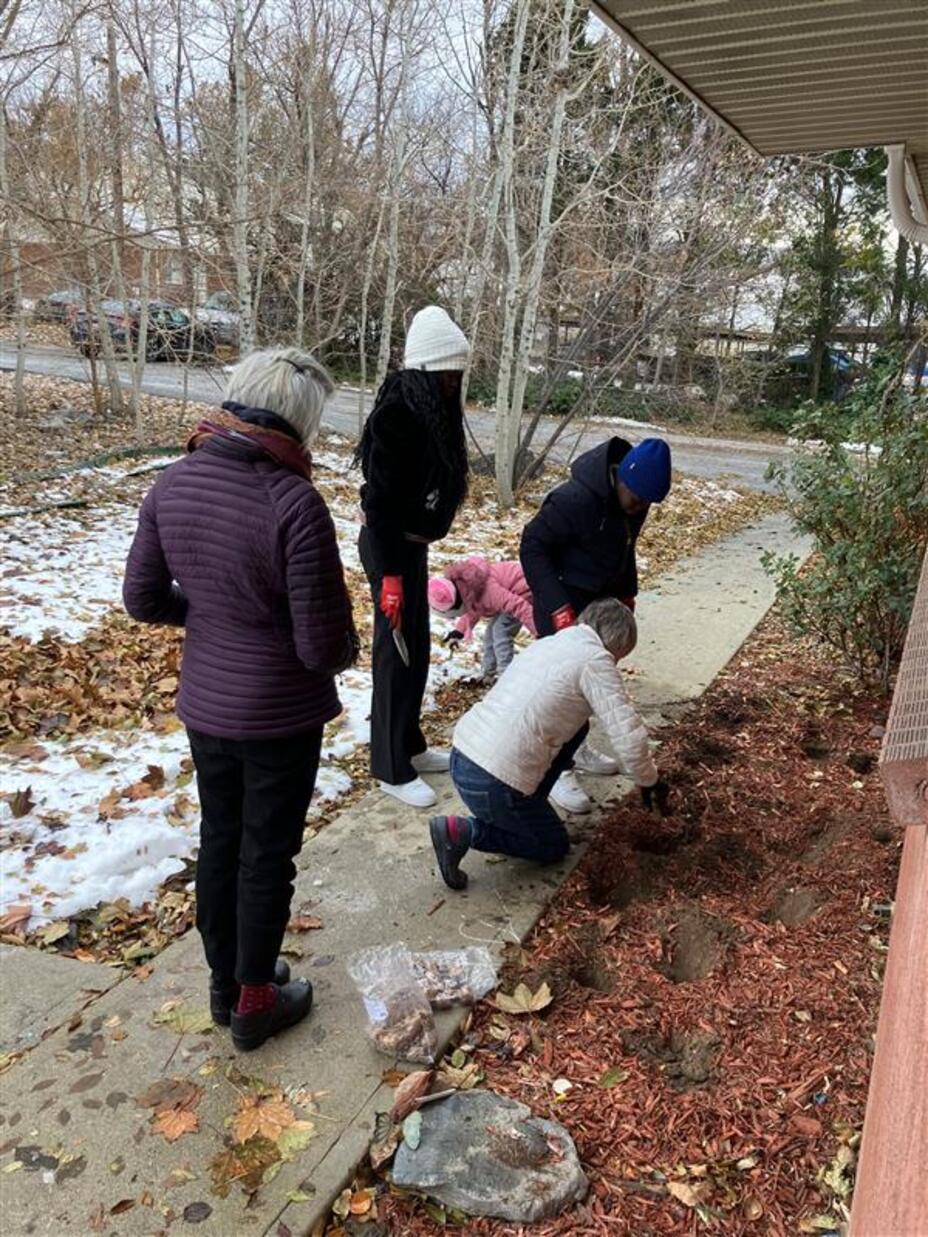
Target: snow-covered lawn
[[93, 829]]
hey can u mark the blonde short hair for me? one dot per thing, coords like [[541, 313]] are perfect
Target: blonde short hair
[[287, 381]]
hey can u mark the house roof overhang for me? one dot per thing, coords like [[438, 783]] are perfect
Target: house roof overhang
[[795, 76]]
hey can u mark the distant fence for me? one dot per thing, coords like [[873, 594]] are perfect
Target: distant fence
[[891, 1194]]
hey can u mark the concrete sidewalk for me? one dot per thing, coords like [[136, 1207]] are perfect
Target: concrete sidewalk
[[69, 1117]]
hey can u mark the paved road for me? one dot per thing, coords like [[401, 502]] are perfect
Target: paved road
[[716, 458]]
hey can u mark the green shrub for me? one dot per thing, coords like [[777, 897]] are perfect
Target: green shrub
[[867, 513], [773, 419]]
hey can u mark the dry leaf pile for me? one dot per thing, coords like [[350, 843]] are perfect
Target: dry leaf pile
[[715, 976]]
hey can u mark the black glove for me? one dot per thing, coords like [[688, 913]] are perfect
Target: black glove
[[453, 637], [657, 796]]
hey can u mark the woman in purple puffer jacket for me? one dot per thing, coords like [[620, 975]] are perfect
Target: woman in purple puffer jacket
[[236, 545]]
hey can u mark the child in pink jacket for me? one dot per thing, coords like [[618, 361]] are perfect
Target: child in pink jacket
[[474, 589]]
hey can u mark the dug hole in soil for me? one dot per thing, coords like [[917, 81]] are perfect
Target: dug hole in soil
[[716, 975]]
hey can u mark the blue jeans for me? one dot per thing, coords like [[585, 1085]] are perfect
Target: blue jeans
[[506, 822]]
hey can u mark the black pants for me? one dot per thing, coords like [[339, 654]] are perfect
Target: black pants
[[253, 799], [396, 735]]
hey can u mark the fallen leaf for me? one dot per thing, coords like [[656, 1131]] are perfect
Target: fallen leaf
[[170, 1093], [145, 787], [524, 1001], [304, 923], [21, 802], [809, 1127], [412, 1130], [464, 1079], [300, 1196], [177, 1176], [16, 918], [296, 1138], [167, 685], [409, 1092], [342, 1205], [753, 1208], [195, 1213], [124, 1204], [97, 1220], [689, 1195], [92, 758], [612, 1077], [184, 1019], [387, 1137], [108, 808], [561, 1086], [267, 1115], [361, 1202], [52, 932], [174, 1123]]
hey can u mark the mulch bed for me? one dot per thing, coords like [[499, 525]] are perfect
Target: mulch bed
[[716, 974]]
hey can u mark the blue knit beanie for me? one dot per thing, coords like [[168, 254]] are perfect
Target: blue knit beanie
[[646, 470]]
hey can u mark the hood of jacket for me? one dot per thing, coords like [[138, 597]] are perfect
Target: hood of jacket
[[470, 578], [593, 467]]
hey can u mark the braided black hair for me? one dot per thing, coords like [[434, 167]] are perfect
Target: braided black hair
[[441, 419]]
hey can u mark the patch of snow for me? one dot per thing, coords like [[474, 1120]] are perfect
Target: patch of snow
[[64, 575], [853, 448]]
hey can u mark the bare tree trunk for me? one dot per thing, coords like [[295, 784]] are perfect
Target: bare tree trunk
[[504, 436], [395, 182], [309, 137], [19, 390], [509, 439], [89, 236], [365, 297], [240, 194]]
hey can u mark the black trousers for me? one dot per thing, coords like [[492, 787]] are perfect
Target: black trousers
[[396, 735], [254, 794]]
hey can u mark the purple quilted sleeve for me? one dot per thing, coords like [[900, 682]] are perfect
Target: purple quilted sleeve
[[148, 591], [320, 608]]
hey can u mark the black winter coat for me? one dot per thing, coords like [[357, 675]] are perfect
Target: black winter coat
[[581, 545], [406, 487]]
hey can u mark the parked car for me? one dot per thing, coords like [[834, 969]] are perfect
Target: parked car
[[168, 337], [219, 314], [58, 306]]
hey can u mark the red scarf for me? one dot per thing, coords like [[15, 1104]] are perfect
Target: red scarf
[[280, 447]]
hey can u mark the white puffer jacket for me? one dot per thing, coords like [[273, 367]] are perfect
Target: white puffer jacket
[[542, 700]]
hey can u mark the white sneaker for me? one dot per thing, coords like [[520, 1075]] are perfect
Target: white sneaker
[[588, 760], [415, 793], [568, 794], [432, 761]]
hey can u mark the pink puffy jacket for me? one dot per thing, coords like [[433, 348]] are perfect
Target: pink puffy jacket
[[488, 589]]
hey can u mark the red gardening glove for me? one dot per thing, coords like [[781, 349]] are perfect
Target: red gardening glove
[[628, 601], [391, 600], [565, 617]]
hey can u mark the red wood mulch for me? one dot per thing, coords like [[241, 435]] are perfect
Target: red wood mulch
[[740, 1037]]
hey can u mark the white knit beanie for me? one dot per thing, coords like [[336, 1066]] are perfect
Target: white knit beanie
[[435, 342]]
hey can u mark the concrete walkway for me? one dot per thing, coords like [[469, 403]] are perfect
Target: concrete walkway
[[69, 1115]]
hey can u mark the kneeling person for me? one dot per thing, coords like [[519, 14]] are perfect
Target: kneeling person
[[511, 747]]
